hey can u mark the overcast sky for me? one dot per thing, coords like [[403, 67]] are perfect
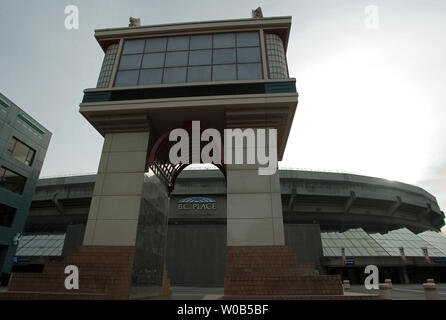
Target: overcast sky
[[371, 101]]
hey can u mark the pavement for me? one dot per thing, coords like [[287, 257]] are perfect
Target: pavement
[[404, 291], [399, 292], [197, 293]]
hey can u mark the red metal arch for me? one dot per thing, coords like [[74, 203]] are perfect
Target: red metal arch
[[158, 160]]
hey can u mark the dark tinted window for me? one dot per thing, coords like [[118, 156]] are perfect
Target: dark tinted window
[[150, 76], [133, 46], [177, 43], [132, 61], [7, 215], [153, 60], [127, 78], [12, 181], [201, 42], [156, 45], [199, 74], [176, 59], [21, 151]]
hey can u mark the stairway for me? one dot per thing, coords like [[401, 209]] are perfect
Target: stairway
[[271, 272]]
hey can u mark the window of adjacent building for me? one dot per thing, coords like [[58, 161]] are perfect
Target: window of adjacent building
[[21, 151], [12, 181], [196, 58], [7, 215]]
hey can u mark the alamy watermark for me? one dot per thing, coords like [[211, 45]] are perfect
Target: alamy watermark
[[240, 146], [72, 280], [72, 18], [371, 21], [372, 280]]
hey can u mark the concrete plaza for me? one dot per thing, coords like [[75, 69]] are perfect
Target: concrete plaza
[[399, 292]]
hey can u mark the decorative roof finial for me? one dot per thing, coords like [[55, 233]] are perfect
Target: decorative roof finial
[[134, 22], [257, 13]]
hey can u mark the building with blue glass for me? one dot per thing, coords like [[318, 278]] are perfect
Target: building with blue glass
[[23, 146]]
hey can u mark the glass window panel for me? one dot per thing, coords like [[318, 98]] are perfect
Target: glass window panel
[[30, 157], [127, 78], [248, 54], [201, 42], [222, 56], [32, 251], [57, 251], [178, 43], [133, 46], [200, 57], [150, 76], [176, 59], [223, 72], [21, 151], [12, 181], [199, 74], [338, 243], [12, 145], [156, 45], [36, 243], [24, 251], [224, 40], [153, 60], [7, 215], [52, 243], [249, 71], [46, 251], [174, 75], [43, 242], [130, 62], [54, 251], [248, 39]]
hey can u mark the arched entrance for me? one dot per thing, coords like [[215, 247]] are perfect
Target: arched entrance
[[196, 235]]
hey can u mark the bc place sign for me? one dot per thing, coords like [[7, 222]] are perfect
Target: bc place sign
[[197, 203]]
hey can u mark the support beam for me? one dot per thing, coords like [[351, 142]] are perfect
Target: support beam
[[348, 205], [58, 204], [292, 199], [425, 212], [394, 206]]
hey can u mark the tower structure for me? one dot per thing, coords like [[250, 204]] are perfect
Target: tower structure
[[225, 74], [154, 79]]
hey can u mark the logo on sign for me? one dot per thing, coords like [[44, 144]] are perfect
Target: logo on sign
[[197, 203]]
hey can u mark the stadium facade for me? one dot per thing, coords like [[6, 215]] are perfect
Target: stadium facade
[[371, 218], [142, 221]]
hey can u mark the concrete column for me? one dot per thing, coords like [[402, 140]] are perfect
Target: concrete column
[[430, 290], [116, 201], [385, 291], [404, 275], [254, 207]]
